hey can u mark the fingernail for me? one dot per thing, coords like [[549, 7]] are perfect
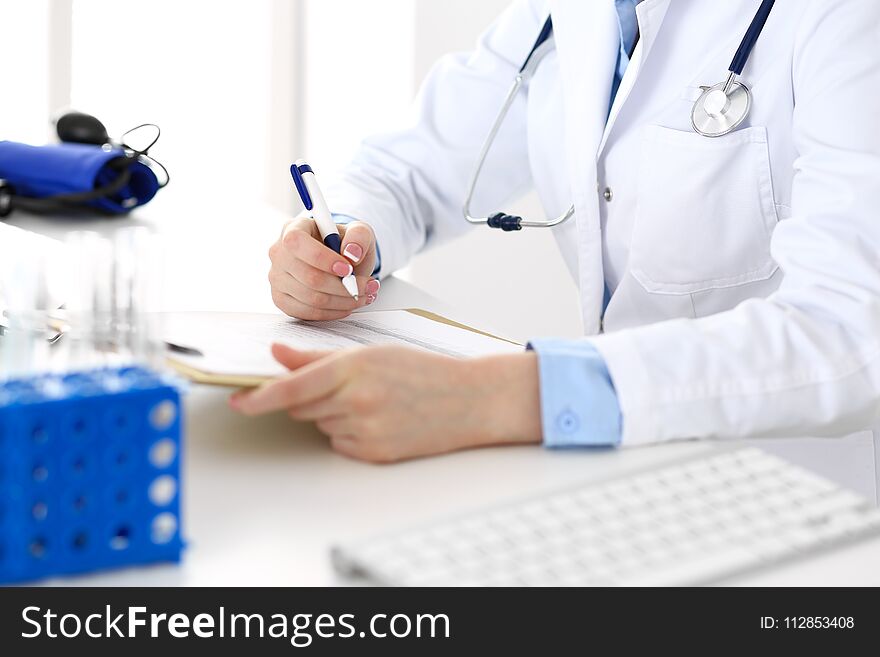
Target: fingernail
[[342, 268], [370, 298], [353, 252], [372, 287], [234, 400]]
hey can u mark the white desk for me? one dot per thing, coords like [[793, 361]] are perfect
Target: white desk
[[264, 498]]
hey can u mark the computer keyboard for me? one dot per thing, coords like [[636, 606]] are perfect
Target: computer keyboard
[[695, 522]]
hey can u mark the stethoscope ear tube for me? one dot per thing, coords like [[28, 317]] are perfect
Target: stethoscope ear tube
[[484, 150], [543, 37], [751, 38], [501, 220]]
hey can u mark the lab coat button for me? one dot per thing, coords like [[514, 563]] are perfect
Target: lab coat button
[[608, 194], [567, 422]]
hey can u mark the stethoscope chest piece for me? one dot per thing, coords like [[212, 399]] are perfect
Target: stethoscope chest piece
[[721, 109]]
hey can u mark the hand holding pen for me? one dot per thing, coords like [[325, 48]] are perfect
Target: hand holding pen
[[307, 274]]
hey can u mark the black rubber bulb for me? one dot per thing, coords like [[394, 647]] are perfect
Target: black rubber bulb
[[81, 129]]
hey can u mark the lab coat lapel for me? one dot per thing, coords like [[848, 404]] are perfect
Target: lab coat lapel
[[587, 41], [650, 14]]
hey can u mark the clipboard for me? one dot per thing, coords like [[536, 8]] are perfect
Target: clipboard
[[196, 375]]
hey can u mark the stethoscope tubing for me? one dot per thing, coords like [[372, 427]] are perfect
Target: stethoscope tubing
[[543, 44], [751, 37]]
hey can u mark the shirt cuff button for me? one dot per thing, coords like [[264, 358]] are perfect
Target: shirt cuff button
[[567, 422]]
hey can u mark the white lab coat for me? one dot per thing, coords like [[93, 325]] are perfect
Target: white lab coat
[[745, 269]]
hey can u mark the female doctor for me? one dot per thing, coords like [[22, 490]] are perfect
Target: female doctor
[[728, 261]]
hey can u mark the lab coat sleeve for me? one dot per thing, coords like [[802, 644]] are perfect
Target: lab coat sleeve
[[409, 185], [806, 360]]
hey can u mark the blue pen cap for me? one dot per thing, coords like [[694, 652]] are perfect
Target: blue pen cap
[[296, 173]]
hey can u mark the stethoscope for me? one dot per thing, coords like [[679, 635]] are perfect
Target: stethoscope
[[718, 111]]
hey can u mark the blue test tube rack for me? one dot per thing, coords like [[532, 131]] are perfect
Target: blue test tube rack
[[89, 472]]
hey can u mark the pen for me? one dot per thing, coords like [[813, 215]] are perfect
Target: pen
[[313, 199]]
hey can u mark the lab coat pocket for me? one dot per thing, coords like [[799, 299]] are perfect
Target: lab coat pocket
[[705, 211]]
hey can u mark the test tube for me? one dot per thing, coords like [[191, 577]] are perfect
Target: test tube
[[149, 288], [87, 262], [114, 299], [138, 288], [25, 296]]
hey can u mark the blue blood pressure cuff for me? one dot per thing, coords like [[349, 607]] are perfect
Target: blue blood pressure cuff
[[70, 175]]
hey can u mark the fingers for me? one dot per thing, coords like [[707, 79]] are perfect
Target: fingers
[[292, 358], [320, 281], [306, 275], [303, 221], [359, 246], [302, 386], [284, 283], [318, 410], [371, 290], [296, 308], [342, 444], [301, 241]]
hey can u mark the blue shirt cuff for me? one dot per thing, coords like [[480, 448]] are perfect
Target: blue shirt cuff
[[345, 219], [579, 405]]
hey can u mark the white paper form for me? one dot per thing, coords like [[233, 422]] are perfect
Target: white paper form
[[239, 344]]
